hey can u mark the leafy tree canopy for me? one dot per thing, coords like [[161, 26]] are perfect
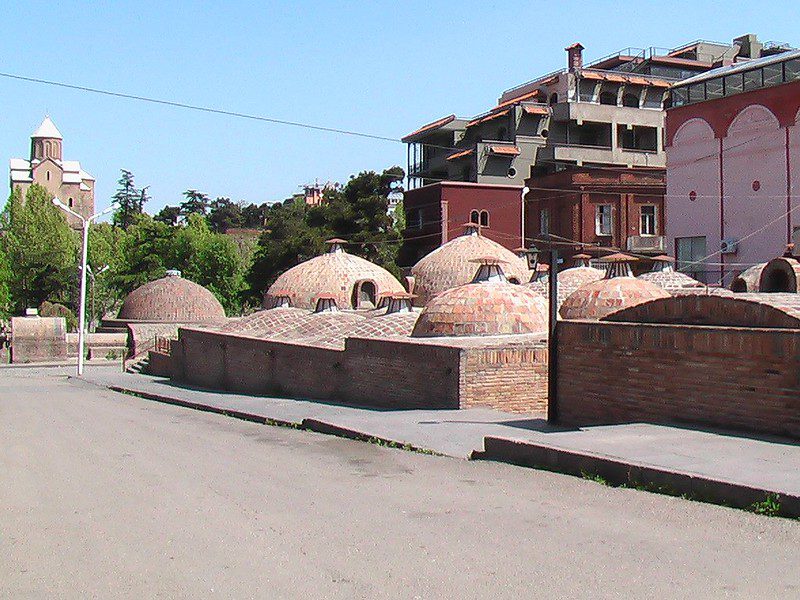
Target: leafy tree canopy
[[129, 199]]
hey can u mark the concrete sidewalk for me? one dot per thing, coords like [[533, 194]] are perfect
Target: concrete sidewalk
[[715, 466]]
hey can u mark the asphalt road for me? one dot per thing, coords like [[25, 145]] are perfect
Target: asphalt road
[[109, 496]]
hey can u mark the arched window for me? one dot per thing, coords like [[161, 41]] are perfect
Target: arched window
[[70, 202], [631, 100], [608, 98], [484, 218], [48, 176], [553, 99], [474, 217]]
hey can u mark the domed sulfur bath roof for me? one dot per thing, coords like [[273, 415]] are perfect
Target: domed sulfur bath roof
[[171, 299]]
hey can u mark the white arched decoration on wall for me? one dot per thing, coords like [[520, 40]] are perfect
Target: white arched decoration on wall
[[691, 206], [793, 172], [754, 177]]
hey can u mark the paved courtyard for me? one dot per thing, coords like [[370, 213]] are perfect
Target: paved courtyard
[[106, 495]]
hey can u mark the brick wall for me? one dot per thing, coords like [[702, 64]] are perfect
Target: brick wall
[[511, 379], [729, 377], [368, 372], [35, 339]]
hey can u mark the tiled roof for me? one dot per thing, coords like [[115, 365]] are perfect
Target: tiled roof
[[491, 116], [171, 299], [431, 126], [332, 273], [449, 265], [483, 309], [617, 77], [504, 150], [536, 109], [601, 298], [460, 154]]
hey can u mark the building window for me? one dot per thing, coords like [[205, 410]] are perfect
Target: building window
[[413, 218], [48, 176], [608, 98], [502, 134], [603, 219], [691, 251], [648, 224], [484, 218], [474, 217], [734, 84], [70, 202], [544, 221], [631, 100]]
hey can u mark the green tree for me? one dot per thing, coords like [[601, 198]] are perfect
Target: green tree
[[105, 259], [41, 248], [168, 215], [130, 200], [5, 283], [210, 259], [195, 203], [143, 250], [224, 214]]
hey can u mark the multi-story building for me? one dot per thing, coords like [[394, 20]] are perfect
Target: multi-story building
[[605, 114], [733, 153], [65, 179]]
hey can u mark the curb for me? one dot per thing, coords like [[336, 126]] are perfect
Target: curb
[[630, 473]]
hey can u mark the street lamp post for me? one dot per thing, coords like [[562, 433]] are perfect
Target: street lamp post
[[84, 255]]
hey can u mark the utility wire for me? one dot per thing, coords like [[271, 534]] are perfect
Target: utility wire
[[195, 107]]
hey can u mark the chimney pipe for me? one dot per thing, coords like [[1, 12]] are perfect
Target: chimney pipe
[[574, 56]]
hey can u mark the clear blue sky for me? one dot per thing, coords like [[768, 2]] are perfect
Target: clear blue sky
[[377, 67]]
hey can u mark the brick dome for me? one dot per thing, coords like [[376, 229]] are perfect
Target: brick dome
[[449, 265], [780, 275], [598, 299], [569, 280], [487, 306], [171, 299], [352, 281], [664, 276], [748, 280]]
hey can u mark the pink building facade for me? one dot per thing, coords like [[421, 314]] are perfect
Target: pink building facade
[[733, 167]]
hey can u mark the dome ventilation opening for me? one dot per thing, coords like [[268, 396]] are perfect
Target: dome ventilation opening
[[489, 270], [335, 245], [326, 304], [663, 264], [173, 273], [281, 300], [400, 303], [582, 260], [618, 265]]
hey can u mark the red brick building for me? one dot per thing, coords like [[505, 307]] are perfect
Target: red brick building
[[436, 213], [620, 208]]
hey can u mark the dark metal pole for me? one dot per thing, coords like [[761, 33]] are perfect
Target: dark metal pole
[[552, 344]]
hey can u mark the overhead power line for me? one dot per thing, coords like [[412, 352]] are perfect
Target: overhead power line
[[206, 109]]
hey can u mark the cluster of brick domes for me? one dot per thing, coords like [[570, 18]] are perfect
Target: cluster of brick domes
[[171, 299]]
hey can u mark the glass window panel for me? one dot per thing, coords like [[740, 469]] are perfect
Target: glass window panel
[[752, 80], [697, 92], [733, 84], [792, 69], [773, 74], [679, 96], [714, 88]]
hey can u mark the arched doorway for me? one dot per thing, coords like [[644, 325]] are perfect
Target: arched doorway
[[364, 295]]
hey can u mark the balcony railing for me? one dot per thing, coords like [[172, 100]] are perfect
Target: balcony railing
[[647, 243]]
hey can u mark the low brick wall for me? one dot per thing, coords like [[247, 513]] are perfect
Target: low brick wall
[[729, 377], [511, 379], [385, 373], [35, 339]]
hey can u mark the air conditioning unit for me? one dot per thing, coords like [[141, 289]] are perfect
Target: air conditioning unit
[[728, 246]]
